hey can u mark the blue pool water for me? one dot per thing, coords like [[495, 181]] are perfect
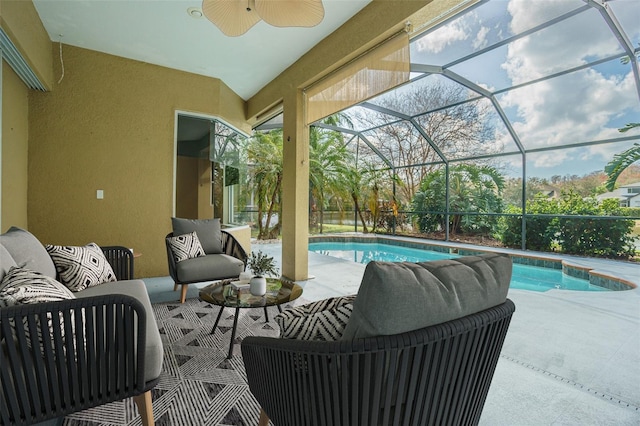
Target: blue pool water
[[524, 277]]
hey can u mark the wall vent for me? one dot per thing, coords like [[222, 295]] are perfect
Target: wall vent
[[13, 57]]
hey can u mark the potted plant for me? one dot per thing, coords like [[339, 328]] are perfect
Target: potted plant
[[261, 265]]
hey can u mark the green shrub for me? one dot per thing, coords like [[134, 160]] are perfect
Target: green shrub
[[588, 236]]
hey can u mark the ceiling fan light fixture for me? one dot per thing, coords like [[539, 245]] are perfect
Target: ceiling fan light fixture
[[232, 17], [236, 17], [291, 13]]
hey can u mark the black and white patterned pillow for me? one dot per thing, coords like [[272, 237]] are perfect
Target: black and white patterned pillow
[[321, 320], [22, 286], [81, 267], [186, 246]]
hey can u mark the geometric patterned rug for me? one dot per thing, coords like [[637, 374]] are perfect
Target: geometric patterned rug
[[198, 384]]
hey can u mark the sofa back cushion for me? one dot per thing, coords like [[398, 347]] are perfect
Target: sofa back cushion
[[208, 231], [6, 261], [27, 251], [395, 297]]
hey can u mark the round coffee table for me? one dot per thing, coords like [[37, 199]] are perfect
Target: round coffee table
[[225, 295]]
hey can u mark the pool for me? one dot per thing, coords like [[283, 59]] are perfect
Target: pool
[[524, 277]]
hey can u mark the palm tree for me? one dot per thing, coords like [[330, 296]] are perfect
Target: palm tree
[[622, 160], [472, 188], [327, 164], [265, 153]]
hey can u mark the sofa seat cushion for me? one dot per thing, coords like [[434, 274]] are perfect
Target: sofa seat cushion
[[208, 268], [137, 290], [208, 230], [81, 267], [27, 251], [396, 297]]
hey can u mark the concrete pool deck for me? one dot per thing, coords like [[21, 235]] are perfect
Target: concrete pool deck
[[570, 357]]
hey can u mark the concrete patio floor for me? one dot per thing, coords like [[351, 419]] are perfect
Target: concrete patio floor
[[570, 357]]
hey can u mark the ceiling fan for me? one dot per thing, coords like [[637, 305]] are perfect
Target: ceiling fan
[[236, 17]]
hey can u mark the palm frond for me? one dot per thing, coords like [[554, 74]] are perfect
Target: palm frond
[[619, 163]]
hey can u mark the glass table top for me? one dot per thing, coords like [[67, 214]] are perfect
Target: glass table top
[[222, 293]]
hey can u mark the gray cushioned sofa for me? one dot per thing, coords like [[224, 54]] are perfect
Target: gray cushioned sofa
[[114, 350]]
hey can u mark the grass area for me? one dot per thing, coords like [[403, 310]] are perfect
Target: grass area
[[329, 228]]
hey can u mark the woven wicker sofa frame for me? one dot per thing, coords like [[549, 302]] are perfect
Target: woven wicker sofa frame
[[47, 377], [439, 375]]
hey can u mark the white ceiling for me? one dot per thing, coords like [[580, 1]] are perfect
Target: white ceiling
[[161, 32]]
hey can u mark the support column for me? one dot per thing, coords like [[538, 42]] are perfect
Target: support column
[[295, 188]]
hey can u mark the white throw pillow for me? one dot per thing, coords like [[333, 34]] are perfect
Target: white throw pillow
[[186, 246], [81, 267], [321, 320]]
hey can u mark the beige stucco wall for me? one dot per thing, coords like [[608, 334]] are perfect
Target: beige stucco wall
[[15, 131], [21, 22], [110, 125]]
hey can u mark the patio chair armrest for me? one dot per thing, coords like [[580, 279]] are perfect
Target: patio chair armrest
[[121, 260], [232, 247]]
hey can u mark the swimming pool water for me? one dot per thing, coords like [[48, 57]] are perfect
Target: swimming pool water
[[524, 277]]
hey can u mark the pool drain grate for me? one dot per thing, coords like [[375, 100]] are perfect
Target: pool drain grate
[[601, 395]]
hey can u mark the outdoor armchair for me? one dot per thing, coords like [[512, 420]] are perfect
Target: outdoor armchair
[[436, 374], [221, 255]]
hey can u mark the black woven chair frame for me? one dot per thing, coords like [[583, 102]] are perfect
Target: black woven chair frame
[[121, 260], [439, 375], [96, 356], [230, 246]]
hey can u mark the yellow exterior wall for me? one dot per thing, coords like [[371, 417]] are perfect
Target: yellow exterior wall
[[20, 20], [15, 132], [110, 125]]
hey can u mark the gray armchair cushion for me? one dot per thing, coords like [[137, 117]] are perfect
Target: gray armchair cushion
[[137, 290], [398, 297], [209, 267], [27, 251], [6, 261], [208, 231]]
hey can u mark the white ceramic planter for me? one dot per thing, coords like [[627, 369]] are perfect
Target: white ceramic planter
[[258, 286]]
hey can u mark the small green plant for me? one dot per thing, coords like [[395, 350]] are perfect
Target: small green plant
[[261, 264]]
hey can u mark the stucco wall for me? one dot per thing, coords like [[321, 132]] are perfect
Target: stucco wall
[[110, 125], [15, 125]]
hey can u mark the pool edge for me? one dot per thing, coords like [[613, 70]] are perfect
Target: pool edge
[[550, 261]]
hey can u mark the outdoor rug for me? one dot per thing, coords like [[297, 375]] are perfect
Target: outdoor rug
[[198, 385]]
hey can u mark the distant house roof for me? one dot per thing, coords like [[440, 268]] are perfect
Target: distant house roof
[[613, 194], [631, 185]]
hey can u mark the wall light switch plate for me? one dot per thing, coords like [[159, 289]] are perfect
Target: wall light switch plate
[[99, 194]]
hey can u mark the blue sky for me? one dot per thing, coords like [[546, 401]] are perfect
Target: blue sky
[[582, 106]]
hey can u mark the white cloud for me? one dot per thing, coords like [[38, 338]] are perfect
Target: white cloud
[[573, 108], [480, 40], [446, 35]]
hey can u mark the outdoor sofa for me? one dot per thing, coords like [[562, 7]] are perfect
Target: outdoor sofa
[[99, 345]]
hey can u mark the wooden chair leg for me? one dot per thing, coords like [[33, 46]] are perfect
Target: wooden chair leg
[[183, 293], [264, 419], [145, 408], [175, 286]]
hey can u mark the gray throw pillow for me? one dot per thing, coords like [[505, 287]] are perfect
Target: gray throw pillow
[[403, 296], [208, 231], [27, 251]]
